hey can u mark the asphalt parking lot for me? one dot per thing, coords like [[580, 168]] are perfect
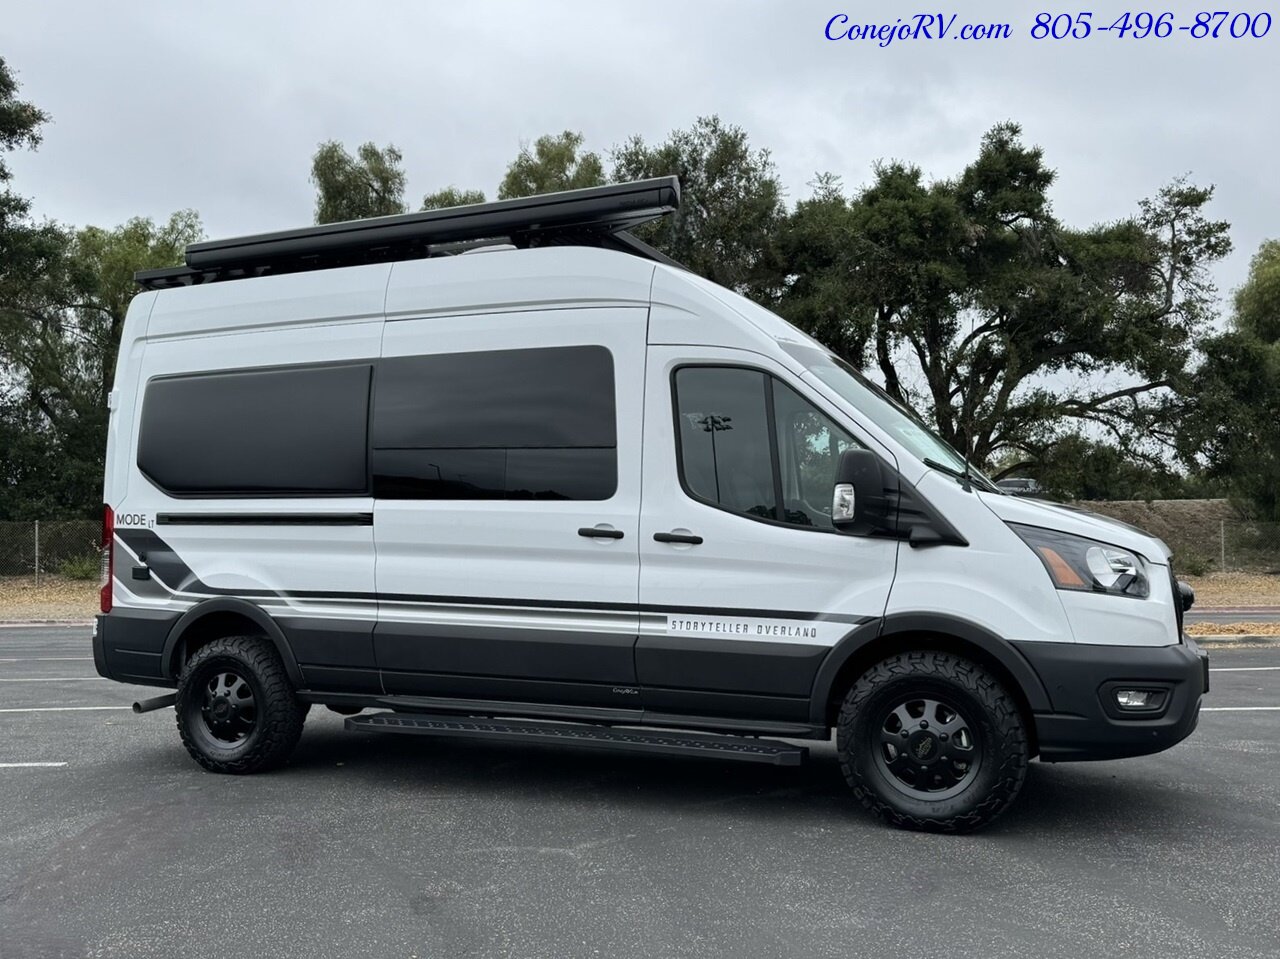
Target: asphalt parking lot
[[400, 846]]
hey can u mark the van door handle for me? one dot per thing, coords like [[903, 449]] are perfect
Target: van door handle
[[689, 538], [600, 533]]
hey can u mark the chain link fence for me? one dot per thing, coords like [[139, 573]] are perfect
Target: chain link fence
[[1251, 547], [70, 548]]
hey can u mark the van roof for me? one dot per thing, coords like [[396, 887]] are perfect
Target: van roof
[[594, 217]]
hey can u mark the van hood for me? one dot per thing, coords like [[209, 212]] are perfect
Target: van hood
[[1072, 519]]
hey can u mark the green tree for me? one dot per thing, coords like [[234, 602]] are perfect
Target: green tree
[[451, 196], [58, 345], [1232, 425], [553, 164], [1257, 303], [1008, 327], [351, 188], [26, 248], [1080, 467], [731, 203]]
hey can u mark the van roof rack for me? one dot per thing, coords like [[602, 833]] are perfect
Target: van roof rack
[[597, 216]]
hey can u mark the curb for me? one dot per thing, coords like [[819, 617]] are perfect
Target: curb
[[1221, 640]]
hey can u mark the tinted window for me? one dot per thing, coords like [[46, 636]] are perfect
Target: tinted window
[[754, 446], [724, 439], [503, 424], [505, 399], [809, 448], [301, 430]]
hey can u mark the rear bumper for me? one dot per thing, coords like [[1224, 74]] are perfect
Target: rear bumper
[[128, 646], [1087, 724]]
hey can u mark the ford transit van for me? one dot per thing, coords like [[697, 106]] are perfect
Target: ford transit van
[[505, 471]]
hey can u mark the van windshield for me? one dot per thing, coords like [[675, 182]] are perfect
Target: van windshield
[[890, 415]]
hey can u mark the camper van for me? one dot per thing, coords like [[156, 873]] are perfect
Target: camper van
[[504, 471]]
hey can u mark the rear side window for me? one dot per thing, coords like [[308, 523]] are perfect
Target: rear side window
[[500, 424], [291, 431]]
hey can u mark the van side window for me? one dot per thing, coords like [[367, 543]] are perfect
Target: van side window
[[300, 430], [498, 424], [752, 445], [724, 439], [809, 448]]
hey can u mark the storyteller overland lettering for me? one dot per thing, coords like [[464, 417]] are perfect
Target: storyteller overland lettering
[[722, 627]]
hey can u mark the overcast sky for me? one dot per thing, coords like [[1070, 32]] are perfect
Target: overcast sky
[[219, 106]]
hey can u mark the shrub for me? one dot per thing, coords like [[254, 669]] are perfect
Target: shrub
[[81, 567], [1193, 564]]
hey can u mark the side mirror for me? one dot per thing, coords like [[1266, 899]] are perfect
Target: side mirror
[[1186, 595], [858, 500]]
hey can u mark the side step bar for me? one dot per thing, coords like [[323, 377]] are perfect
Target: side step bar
[[584, 735]]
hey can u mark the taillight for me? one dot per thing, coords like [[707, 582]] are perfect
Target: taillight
[[108, 558]]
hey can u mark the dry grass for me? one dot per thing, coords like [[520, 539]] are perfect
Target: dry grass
[[55, 599], [1233, 629], [1173, 520], [1235, 589]]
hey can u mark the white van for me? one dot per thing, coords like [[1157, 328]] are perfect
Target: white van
[[504, 471]]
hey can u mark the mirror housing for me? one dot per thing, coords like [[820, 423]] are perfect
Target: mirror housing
[[871, 499], [858, 503]]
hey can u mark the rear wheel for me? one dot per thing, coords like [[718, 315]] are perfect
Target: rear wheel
[[932, 741], [237, 712]]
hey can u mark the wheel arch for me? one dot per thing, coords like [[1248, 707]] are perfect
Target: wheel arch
[[866, 645], [224, 616]]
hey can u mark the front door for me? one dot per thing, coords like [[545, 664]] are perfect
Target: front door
[[744, 583], [507, 490]]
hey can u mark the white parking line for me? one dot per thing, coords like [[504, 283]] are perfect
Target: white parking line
[[1239, 709], [29, 765], [60, 709], [51, 679], [49, 659], [1241, 669]]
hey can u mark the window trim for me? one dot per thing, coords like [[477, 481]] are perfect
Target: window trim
[[773, 440]]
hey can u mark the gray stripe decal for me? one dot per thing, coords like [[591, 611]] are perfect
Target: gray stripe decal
[[171, 573]]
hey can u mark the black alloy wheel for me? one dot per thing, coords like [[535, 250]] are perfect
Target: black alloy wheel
[[927, 748], [229, 713]]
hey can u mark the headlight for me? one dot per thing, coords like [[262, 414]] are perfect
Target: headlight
[[1074, 562]]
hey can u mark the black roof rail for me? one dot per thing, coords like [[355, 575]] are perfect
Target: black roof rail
[[597, 216]]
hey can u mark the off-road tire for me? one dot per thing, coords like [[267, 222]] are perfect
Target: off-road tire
[[990, 711], [277, 713]]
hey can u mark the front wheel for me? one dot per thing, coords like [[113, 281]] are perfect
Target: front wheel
[[932, 741], [237, 712]]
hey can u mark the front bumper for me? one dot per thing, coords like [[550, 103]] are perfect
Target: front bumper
[[1086, 723]]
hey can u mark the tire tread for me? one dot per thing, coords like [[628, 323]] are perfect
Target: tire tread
[[280, 715]]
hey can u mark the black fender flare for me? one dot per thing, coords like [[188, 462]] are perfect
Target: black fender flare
[[229, 604], [941, 624]]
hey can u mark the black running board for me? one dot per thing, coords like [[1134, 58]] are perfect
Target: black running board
[[584, 735]]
